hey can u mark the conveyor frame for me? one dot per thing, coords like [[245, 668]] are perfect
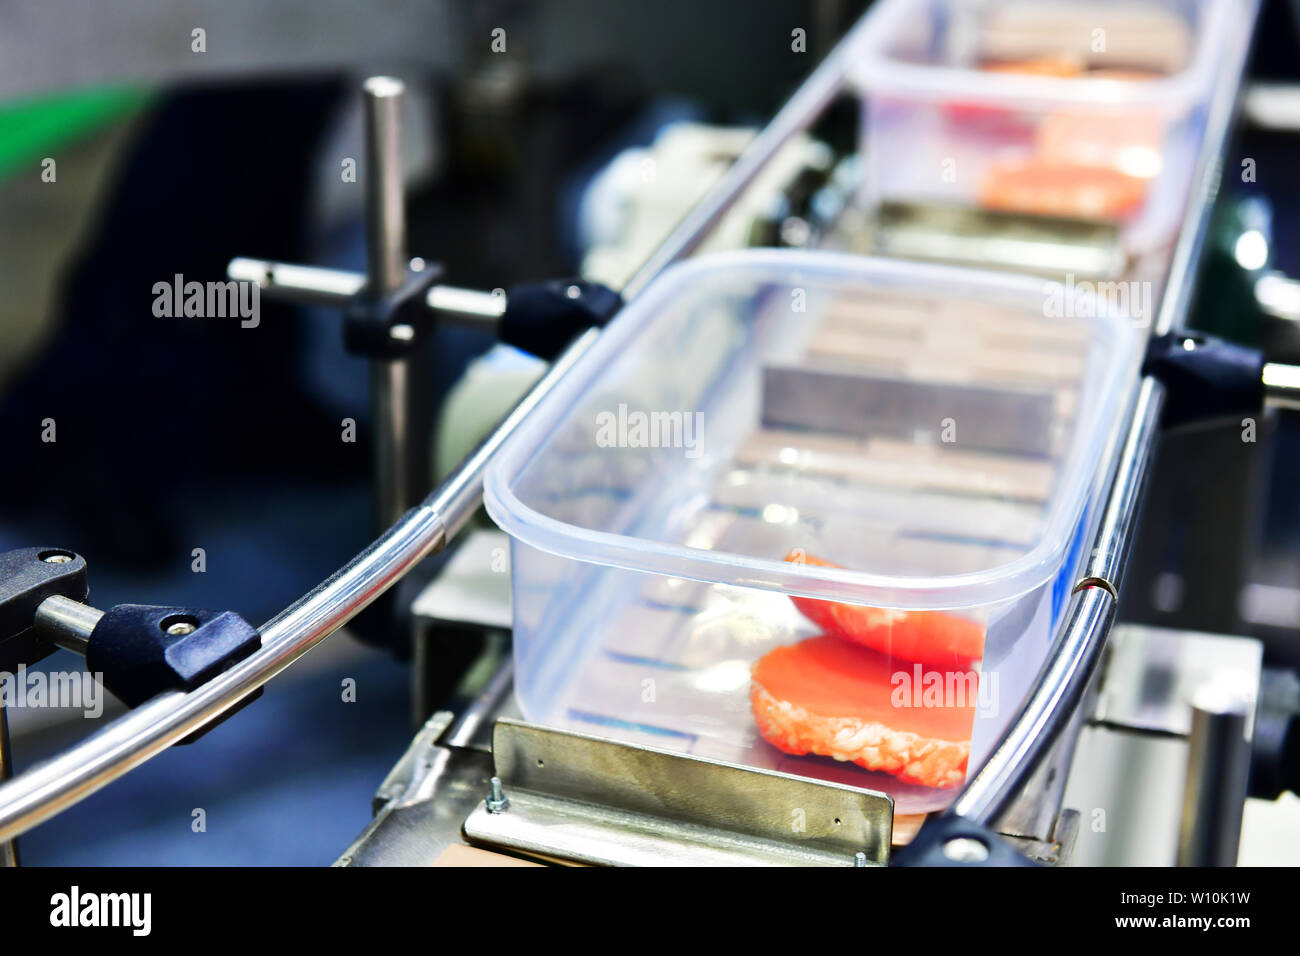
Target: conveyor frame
[[45, 790]]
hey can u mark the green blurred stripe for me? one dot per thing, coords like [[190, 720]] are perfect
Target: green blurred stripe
[[33, 129]]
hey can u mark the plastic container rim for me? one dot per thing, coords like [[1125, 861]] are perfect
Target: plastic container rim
[[875, 73], [989, 586]]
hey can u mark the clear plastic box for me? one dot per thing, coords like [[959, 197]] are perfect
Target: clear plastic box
[[935, 431], [1085, 108]]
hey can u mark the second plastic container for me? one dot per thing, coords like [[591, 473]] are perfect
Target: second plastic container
[[1087, 110]]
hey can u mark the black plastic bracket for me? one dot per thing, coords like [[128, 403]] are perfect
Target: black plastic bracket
[[369, 319], [950, 840], [1275, 744], [27, 577], [544, 317], [138, 650], [1205, 377]]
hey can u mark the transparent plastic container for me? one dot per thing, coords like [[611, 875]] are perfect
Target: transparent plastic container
[[1091, 109], [934, 431]]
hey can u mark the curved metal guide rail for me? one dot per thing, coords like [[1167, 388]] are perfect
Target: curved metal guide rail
[[1064, 679], [51, 787]]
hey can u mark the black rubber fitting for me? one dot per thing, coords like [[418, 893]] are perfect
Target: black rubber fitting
[[1205, 378], [543, 317]]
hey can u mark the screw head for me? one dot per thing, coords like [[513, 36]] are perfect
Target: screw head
[[402, 333], [965, 850], [178, 625], [795, 231], [573, 292]]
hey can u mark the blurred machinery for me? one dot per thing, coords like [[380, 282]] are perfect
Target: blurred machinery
[[1170, 691]]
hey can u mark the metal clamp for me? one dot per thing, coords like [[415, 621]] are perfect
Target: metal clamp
[[953, 841], [389, 324], [138, 651], [379, 323], [27, 577]]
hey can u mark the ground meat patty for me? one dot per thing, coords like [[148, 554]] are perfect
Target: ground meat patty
[[830, 697], [931, 637], [1043, 188]]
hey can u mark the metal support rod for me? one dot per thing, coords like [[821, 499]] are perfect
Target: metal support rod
[[386, 266], [386, 261], [390, 383], [9, 846], [1218, 768], [482, 710], [66, 622]]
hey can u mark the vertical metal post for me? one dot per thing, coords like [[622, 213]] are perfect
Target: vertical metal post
[[1218, 766], [386, 267], [8, 848]]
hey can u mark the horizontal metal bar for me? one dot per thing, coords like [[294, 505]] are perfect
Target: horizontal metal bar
[[66, 622], [1281, 385], [1273, 106], [466, 306], [1278, 296], [309, 285], [314, 285]]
